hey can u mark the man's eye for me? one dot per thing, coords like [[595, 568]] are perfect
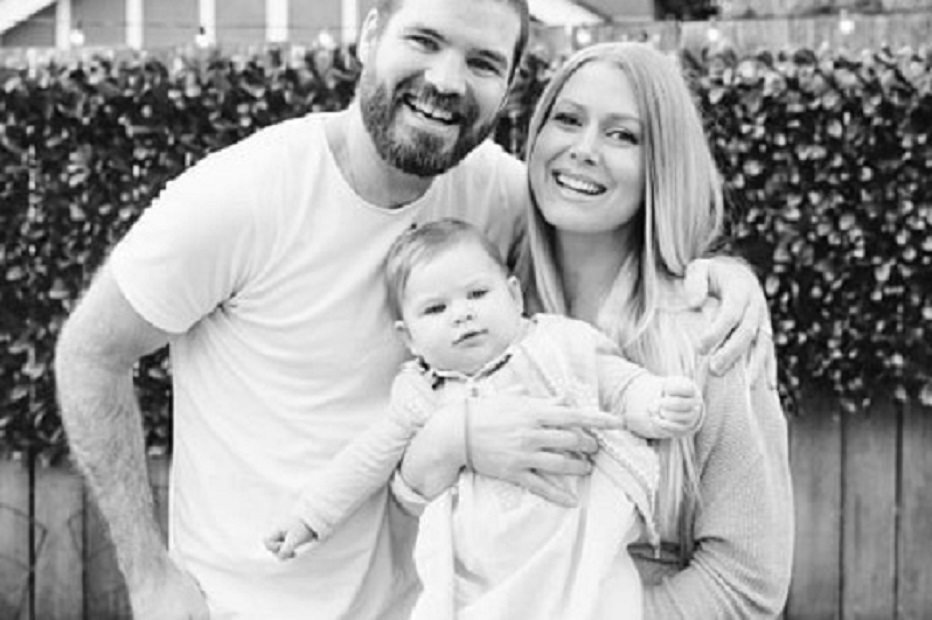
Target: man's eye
[[486, 67], [423, 42]]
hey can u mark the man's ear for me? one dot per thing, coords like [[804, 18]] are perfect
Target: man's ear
[[367, 36], [405, 335], [514, 285]]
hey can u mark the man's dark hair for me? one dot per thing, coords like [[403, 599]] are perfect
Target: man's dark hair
[[387, 8]]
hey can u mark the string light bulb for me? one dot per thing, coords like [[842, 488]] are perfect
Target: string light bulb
[[76, 36], [845, 23], [201, 39]]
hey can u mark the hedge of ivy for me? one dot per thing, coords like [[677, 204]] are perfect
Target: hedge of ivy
[[828, 160]]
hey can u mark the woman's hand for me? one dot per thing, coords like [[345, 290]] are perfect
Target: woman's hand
[[741, 328], [518, 439]]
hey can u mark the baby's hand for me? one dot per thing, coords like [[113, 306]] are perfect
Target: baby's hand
[[679, 410], [663, 407], [285, 540]]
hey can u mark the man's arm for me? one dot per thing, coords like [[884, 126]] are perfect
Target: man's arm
[[741, 329], [94, 358]]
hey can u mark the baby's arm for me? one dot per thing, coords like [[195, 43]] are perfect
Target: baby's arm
[[333, 492], [654, 407]]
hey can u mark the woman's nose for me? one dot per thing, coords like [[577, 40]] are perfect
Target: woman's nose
[[584, 148]]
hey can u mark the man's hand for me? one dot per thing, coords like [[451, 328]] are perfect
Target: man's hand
[[742, 324], [285, 540], [173, 595], [526, 441]]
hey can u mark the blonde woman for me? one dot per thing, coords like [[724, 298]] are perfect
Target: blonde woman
[[625, 195]]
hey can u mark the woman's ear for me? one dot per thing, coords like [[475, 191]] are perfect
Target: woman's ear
[[514, 285], [367, 36]]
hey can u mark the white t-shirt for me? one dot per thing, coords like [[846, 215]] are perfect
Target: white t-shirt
[[269, 268]]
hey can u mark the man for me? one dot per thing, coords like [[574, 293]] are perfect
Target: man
[[260, 266]]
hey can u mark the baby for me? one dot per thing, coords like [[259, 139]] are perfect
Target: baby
[[486, 548]]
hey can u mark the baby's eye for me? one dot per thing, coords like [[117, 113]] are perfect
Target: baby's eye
[[478, 293], [434, 309]]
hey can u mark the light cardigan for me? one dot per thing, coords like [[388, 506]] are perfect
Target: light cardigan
[[743, 531]]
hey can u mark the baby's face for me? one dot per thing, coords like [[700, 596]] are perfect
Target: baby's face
[[460, 310]]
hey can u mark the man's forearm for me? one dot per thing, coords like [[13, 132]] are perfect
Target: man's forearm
[[104, 427]]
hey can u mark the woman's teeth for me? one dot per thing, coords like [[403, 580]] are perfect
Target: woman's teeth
[[578, 185]]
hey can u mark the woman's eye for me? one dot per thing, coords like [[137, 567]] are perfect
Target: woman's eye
[[565, 118], [623, 136]]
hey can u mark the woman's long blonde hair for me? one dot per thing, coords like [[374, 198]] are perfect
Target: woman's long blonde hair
[[680, 219]]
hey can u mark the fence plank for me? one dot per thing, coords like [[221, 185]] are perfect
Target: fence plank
[[815, 460], [914, 594], [59, 519], [14, 539], [869, 544]]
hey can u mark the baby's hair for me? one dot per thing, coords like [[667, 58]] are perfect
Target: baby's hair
[[422, 244]]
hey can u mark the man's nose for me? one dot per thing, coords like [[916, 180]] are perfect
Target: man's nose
[[447, 73]]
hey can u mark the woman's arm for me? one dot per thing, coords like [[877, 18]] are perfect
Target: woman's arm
[[743, 530], [515, 438]]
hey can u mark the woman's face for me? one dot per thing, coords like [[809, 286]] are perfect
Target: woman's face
[[587, 169]]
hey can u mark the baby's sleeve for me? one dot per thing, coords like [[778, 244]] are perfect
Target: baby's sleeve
[[615, 372], [333, 492]]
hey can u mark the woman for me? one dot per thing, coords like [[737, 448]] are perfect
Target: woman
[[625, 194]]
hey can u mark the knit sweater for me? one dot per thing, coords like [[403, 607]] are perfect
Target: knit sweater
[[741, 561]]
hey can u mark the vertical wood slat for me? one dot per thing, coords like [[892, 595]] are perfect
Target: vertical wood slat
[[816, 465], [59, 541], [869, 543], [14, 540], [914, 567]]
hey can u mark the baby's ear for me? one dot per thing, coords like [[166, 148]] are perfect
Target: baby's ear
[[405, 334], [514, 285]]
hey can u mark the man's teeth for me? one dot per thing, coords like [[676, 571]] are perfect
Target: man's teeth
[[432, 112], [578, 185]]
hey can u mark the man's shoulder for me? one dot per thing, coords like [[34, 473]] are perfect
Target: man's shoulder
[[490, 159]]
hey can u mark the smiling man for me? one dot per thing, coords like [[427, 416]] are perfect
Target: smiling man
[[261, 268]]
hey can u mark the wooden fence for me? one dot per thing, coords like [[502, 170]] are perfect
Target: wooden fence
[[863, 487]]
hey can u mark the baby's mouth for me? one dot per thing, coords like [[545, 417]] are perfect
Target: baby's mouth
[[468, 335]]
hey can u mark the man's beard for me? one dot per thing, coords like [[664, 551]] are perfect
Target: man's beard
[[423, 154]]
